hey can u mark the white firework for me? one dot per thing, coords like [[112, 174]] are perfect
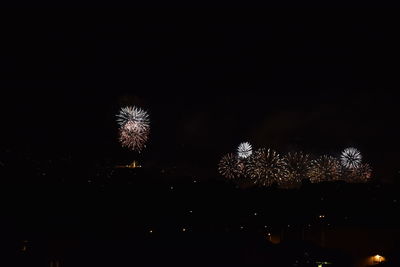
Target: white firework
[[134, 114], [244, 150], [351, 158], [134, 127]]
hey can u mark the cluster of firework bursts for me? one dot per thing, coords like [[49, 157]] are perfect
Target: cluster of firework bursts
[[134, 128], [266, 167]]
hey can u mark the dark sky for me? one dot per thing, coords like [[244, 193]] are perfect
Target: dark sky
[[313, 83]]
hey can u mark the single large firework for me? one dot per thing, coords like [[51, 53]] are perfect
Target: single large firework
[[229, 166], [132, 137], [298, 166], [134, 128], [133, 114], [324, 168], [351, 158], [244, 150], [265, 167]]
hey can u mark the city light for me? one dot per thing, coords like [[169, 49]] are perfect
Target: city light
[[378, 258]]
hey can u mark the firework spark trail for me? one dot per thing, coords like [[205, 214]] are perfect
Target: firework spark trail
[[266, 167], [361, 174], [297, 165], [229, 167], [134, 128], [135, 114], [133, 139], [324, 168]]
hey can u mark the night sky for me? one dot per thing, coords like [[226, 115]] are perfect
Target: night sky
[[312, 83]]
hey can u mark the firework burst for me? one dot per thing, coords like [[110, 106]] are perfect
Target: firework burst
[[361, 174], [244, 150], [325, 168], [298, 166], [229, 166], [134, 128], [132, 138], [351, 158], [135, 114], [265, 167]]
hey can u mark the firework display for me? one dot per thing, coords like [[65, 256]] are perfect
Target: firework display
[[361, 174], [132, 138], [229, 167], [324, 168], [266, 167], [351, 158], [244, 150], [298, 166], [134, 128], [262, 166], [134, 114]]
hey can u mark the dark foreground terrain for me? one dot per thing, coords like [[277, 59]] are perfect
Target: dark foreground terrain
[[147, 217]]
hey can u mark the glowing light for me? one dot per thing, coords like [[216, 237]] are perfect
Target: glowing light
[[244, 150], [134, 128], [297, 165], [351, 158], [132, 137], [266, 167], [135, 114], [378, 259], [133, 165], [361, 174], [228, 166], [325, 168]]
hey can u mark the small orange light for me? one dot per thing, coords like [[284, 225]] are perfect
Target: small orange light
[[378, 258]]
